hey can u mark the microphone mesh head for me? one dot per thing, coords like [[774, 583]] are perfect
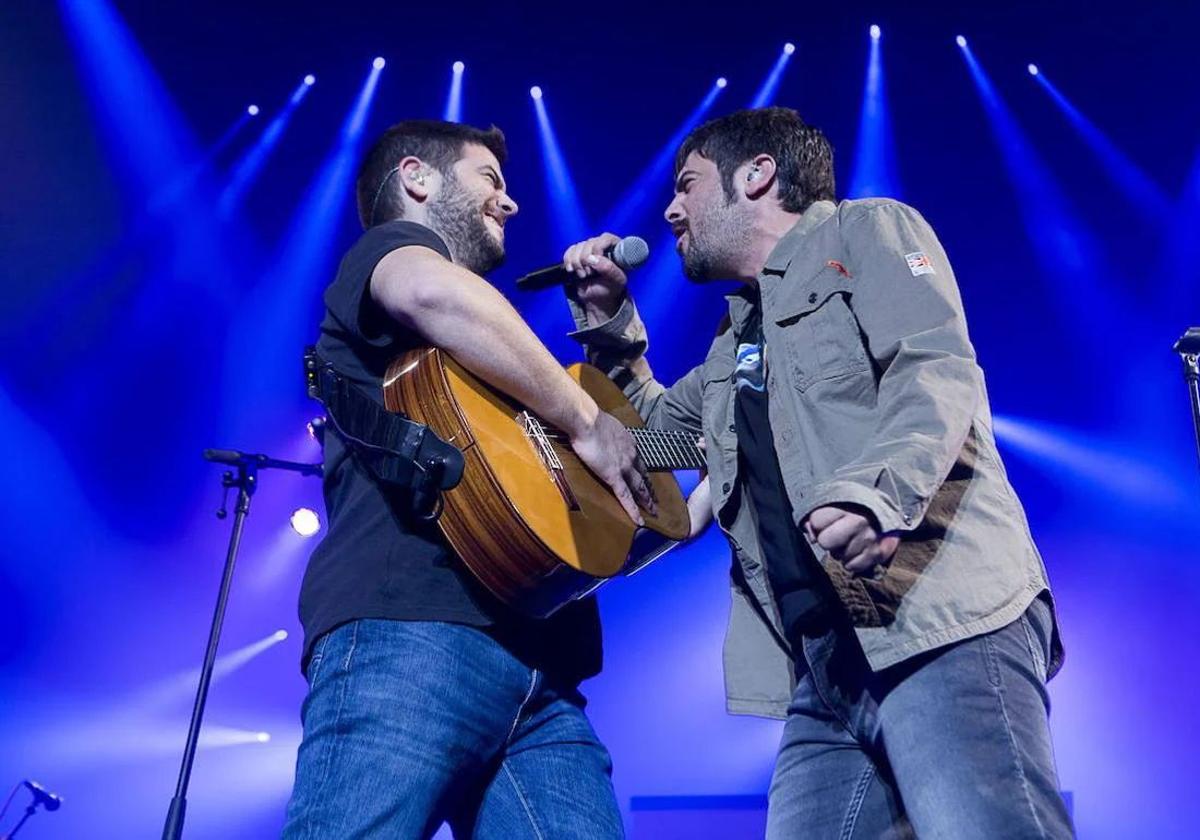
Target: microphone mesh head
[[631, 252]]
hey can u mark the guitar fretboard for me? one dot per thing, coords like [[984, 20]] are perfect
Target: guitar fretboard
[[664, 450], [659, 450]]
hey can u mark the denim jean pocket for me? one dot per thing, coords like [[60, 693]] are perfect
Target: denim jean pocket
[[1037, 641], [317, 656]]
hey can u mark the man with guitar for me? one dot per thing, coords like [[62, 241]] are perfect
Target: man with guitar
[[428, 700], [888, 601]]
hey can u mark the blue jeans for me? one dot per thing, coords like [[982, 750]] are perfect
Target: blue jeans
[[409, 724], [954, 744]]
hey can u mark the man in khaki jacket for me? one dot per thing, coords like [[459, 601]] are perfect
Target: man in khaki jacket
[[888, 600]]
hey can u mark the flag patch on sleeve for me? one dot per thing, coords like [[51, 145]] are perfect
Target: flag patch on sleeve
[[918, 263]]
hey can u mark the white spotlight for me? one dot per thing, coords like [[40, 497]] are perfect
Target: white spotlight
[[961, 41], [1033, 69], [305, 522], [252, 110], [459, 67], [310, 80], [535, 92], [721, 82], [789, 48], [262, 737], [378, 63], [876, 31], [280, 635]]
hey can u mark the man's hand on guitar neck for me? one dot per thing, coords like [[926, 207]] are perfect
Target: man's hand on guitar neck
[[607, 448]]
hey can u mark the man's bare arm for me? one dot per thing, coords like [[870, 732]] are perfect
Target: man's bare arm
[[460, 312]]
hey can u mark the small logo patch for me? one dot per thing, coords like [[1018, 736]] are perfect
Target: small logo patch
[[841, 269], [918, 263]]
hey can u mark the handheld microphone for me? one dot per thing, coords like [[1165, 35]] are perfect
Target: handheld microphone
[[41, 796], [628, 253]]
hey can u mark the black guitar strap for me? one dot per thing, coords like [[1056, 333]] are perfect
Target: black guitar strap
[[396, 450]]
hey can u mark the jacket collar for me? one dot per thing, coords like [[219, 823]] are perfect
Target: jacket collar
[[743, 299]]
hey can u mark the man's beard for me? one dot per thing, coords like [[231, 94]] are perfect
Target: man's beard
[[713, 250], [459, 220], [699, 263]]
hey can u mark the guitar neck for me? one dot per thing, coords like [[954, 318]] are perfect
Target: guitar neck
[[667, 450], [660, 451]]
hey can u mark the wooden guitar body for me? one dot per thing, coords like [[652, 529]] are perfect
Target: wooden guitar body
[[528, 519]]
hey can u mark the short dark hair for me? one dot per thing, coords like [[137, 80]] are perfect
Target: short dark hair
[[440, 144], [802, 153]]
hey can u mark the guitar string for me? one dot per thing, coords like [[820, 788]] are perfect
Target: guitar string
[[660, 448]]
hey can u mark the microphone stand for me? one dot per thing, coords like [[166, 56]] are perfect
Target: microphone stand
[[28, 813], [1188, 349], [245, 481]]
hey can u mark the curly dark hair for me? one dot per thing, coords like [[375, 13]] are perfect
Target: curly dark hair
[[802, 153]]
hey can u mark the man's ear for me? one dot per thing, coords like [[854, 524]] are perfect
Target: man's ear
[[759, 176], [414, 178]]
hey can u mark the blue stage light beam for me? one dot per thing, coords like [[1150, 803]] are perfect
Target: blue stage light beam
[[308, 244], [145, 134], [151, 148], [1145, 196], [280, 559], [215, 737], [252, 162], [181, 187], [875, 166], [770, 86], [569, 224], [453, 111], [139, 739], [276, 320], [1191, 193], [146, 722], [170, 691], [1107, 465], [1070, 256], [44, 470], [655, 177]]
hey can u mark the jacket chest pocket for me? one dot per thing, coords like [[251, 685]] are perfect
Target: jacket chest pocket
[[717, 390], [819, 334]]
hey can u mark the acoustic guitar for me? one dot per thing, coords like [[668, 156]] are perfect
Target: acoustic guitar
[[530, 521]]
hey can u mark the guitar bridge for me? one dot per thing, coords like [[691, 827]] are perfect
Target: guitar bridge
[[536, 432]]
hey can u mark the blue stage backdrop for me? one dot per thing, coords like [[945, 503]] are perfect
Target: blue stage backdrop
[[177, 185]]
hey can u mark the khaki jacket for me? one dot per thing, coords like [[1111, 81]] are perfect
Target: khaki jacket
[[875, 399]]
